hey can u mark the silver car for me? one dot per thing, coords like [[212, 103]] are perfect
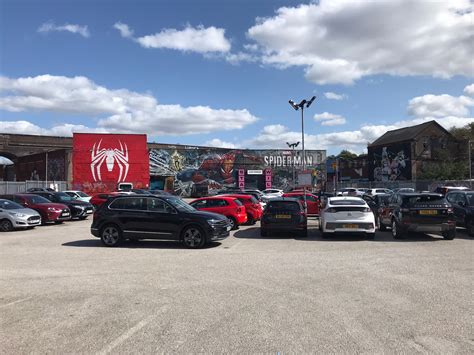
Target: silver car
[[15, 216]]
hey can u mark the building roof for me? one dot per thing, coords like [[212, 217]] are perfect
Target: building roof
[[404, 134]]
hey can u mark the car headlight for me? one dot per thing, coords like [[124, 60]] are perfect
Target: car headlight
[[16, 214], [51, 209], [213, 221]]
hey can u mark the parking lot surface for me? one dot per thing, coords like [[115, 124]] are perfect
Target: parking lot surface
[[61, 291]]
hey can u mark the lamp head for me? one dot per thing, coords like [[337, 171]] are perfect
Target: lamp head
[[292, 103], [308, 103]]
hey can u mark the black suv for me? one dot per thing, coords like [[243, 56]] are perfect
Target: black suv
[[284, 214], [137, 217], [463, 208], [418, 212], [79, 209]]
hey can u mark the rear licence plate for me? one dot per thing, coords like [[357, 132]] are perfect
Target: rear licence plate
[[350, 226], [65, 214], [428, 212], [282, 216]]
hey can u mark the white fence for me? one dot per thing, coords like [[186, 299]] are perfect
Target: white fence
[[12, 187]]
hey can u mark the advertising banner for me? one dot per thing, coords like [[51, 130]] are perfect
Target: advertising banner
[[102, 161]]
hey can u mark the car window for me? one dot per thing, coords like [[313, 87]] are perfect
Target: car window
[[62, 197], [136, 203], [200, 204], [413, 200], [218, 203], [253, 200], [470, 199], [311, 198], [283, 205], [452, 197], [82, 194], [36, 199], [103, 196], [347, 202], [237, 202], [157, 205], [9, 205]]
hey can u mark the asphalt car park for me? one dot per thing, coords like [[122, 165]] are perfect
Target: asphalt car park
[[63, 292]]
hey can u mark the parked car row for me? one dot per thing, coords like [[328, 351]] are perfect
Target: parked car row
[[26, 210]]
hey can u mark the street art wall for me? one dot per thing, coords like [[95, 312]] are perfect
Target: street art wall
[[189, 169], [101, 161], [390, 163]]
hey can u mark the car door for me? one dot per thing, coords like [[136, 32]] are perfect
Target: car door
[[131, 215], [386, 214], [162, 220], [458, 201]]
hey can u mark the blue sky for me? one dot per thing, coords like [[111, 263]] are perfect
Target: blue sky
[[221, 72]]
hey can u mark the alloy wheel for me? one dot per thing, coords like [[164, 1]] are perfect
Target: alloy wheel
[[110, 236], [192, 237]]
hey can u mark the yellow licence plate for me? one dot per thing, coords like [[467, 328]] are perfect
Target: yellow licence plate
[[428, 212], [284, 216], [350, 226]]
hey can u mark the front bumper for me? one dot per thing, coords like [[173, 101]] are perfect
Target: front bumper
[[64, 215], [218, 231], [27, 221]]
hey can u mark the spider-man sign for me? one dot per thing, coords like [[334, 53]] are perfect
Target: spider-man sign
[[101, 161]]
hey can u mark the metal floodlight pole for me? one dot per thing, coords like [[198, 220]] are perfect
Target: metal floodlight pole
[[293, 146], [470, 162], [301, 106]]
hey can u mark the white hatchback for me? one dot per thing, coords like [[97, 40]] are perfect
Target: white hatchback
[[347, 215]]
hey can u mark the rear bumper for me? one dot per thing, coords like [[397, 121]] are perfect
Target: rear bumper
[[429, 228], [349, 227]]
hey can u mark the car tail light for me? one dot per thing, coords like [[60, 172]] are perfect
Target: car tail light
[[367, 209]]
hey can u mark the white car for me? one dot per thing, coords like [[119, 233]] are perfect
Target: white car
[[78, 195], [347, 214], [379, 191], [272, 193], [350, 191]]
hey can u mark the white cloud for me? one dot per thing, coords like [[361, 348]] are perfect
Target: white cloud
[[334, 96], [469, 90], [440, 106], [64, 130], [329, 119], [194, 39], [216, 142], [50, 27], [340, 41], [118, 110], [124, 30]]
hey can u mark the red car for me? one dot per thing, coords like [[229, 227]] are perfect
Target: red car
[[49, 211], [230, 207], [252, 207], [99, 199], [312, 201]]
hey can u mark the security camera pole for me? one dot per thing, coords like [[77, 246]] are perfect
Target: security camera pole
[[301, 105], [293, 146]]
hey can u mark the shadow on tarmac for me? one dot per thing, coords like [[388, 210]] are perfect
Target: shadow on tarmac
[[136, 244]]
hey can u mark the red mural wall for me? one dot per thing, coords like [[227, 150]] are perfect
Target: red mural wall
[[101, 161]]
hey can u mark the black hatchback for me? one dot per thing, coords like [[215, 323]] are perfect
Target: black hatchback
[[284, 214], [136, 217], [463, 209]]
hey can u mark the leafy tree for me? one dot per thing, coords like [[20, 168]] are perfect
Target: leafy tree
[[463, 133], [346, 155]]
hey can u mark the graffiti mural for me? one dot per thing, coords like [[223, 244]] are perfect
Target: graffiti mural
[[390, 163], [193, 169]]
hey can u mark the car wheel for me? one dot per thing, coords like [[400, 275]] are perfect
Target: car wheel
[[6, 225], [250, 220], [233, 223], [263, 232], [111, 235], [449, 235], [371, 236], [396, 232], [193, 237], [380, 226]]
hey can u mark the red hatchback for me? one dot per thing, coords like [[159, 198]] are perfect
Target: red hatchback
[[49, 211], [312, 201], [252, 206], [230, 207]]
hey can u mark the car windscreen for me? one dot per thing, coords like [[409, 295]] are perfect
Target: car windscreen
[[283, 205], [425, 199], [9, 205], [64, 197], [35, 199], [82, 194], [179, 204], [347, 202]]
